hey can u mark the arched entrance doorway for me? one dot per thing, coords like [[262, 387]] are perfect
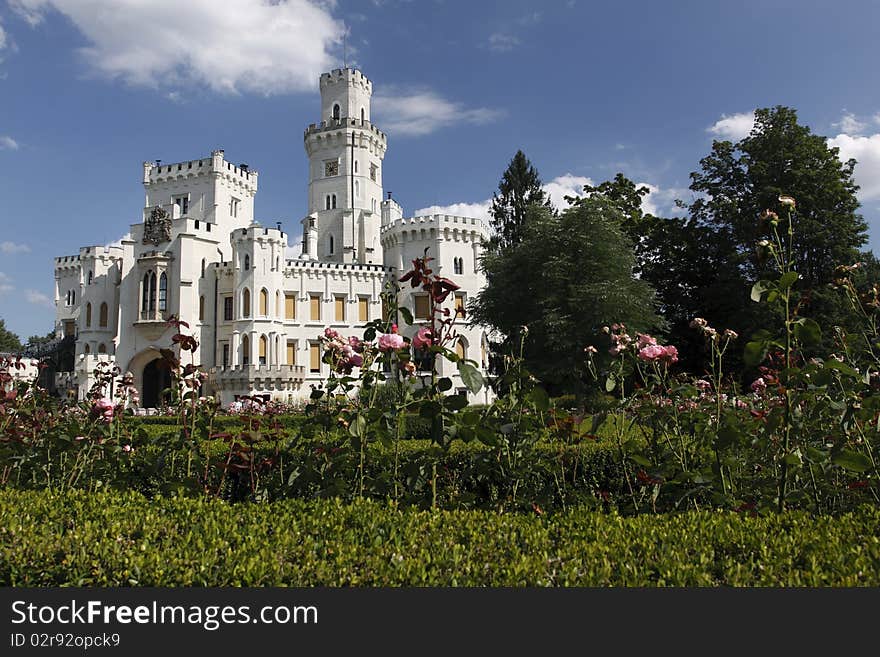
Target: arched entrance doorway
[[156, 380]]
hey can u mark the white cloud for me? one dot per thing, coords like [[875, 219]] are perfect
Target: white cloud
[[733, 127], [38, 298], [417, 113], [5, 283], [866, 152], [12, 247], [850, 125], [257, 46], [501, 42], [658, 201], [3, 40], [8, 143]]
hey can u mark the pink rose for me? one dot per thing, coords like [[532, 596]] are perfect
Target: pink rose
[[423, 339], [645, 340], [390, 341], [759, 385], [355, 360], [666, 354], [330, 334]]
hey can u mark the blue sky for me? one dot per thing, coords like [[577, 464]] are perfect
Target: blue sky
[[89, 89]]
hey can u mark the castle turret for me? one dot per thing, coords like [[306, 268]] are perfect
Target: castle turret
[[345, 171]]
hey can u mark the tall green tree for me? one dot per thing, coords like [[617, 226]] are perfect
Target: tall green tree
[[705, 265], [520, 187], [9, 341], [569, 275]]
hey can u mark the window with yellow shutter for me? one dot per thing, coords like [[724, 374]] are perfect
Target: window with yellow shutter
[[459, 305], [291, 353], [422, 306], [363, 309], [289, 306], [315, 306], [459, 348], [339, 308], [314, 357]]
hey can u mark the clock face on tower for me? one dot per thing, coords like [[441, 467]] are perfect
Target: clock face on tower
[[331, 168]]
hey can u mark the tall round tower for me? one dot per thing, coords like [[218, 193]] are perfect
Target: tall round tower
[[345, 153]]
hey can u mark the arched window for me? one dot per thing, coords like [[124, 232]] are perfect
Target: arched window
[[89, 279], [460, 349], [330, 245], [102, 319], [201, 308], [203, 267], [263, 348], [363, 114], [87, 349], [357, 188], [264, 303], [88, 315], [73, 297], [245, 350], [278, 304], [277, 263], [355, 166], [163, 292], [246, 303], [333, 199], [336, 110], [102, 348], [148, 303], [327, 202], [247, 262]]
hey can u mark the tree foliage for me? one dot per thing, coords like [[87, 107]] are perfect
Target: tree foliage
[[9, 341], [570, 275], [520, 187]]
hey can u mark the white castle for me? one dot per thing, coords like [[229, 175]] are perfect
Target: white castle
[[200, 255]]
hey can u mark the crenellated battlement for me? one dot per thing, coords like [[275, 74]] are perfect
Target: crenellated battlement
[[348, 76], [158, 172], [345, 122], [257, 233], [470, 224]]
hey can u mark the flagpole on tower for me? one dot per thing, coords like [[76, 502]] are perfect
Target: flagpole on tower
[[344, 46]]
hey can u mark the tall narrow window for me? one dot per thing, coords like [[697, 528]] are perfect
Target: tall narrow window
[[233, 207], [314, 357], [103, 317], [315, 306], [339, 308], [181, 203], [264, 303], [333, 201], [89, 280], [422, 306], [246, 303], [201, 308], [247, 262], [263, 348], [289, 306], [245, 350], [88, 315], [102, 348], [362, 115], [330, 245], [355, 166], [327, 202], [459, 305], [336, 110], [203, 267], [163, 292], [363, 309], [225, 354], [227, 309], [291, 352], [460, 349], [87, 349], [148, 303], [73, 297]]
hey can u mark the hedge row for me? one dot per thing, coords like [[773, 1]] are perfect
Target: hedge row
[[114, 539]]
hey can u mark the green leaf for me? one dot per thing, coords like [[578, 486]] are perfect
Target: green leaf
[[640, 460], [444, 384], [758, 289], [406, 315], [540, 398], [754, 353], [610, 384], [456, 402], [850, 460], [358, 426], [471, 376], [808, 331], [787, 280]]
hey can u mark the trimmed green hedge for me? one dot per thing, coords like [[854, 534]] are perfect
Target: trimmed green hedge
[[114, 539]]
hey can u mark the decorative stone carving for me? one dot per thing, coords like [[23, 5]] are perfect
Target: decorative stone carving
[[157, 227]]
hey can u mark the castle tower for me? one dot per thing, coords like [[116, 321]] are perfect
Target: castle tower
[[345, 153]]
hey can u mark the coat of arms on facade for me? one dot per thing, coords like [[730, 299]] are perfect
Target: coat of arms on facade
[[157, 227]]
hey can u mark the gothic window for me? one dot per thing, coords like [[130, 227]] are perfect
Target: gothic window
[[263, 348], [227, 309], [233, 207], [264, 303], [330, 245], [245, 350], [247, 262], [73, 297], [102, 348], [87, 349], [357, 189], [225, 354], [203, 267], [148, 303], [372, 172], [182, 205], [336, 110], [163, 292], [458, 265], [460, 350], [103, 317], [89, 280], [201, 308], [355, 166], [327, 202], [88, 315], [333, 201], [246, 303]]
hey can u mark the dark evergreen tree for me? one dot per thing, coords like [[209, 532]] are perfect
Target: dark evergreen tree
[[9, 341], [520, 187]]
